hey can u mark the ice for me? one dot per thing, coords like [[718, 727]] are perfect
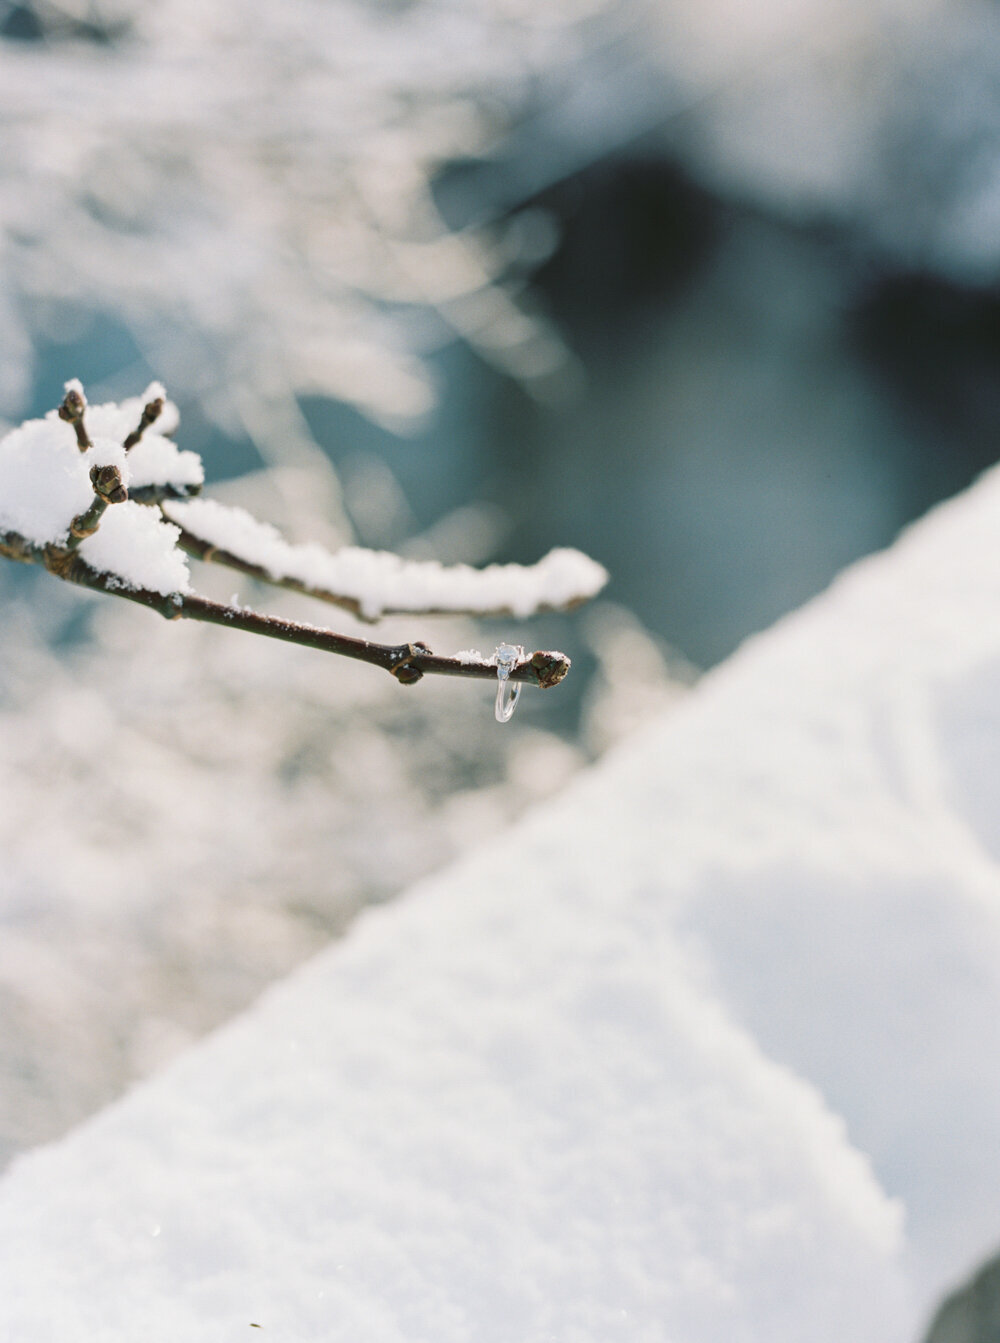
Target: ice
[[506, 658]]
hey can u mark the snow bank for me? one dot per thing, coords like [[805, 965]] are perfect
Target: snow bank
[[553, 1093], [827, 818], [499, 1111]]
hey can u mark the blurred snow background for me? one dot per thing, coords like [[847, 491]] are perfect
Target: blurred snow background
[[707, 290], [703, 1051], [243, 197]]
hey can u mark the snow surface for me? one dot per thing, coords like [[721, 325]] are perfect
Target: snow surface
[[117, 419], [499, 1111], [584, 1084], [44, 480], [108, 452], [156, 460], [139, 549], [380, 581], [45, 483], [249, 798]]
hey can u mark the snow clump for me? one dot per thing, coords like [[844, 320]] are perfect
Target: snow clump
[[380, 582]]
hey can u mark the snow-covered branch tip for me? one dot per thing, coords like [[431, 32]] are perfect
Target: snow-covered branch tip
[[100, 497]]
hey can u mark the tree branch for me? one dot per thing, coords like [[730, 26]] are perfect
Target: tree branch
[[304, 569], [367, 583], [407, 662], [151, 412], [72, 408], [163, 492], [108, 489]]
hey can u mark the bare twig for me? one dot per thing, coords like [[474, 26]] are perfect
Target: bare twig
[[150, 414], [71, 410], [108, 489], [162, 492], [407, 662]]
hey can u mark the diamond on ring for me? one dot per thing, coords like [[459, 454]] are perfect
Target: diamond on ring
[[507, 657]]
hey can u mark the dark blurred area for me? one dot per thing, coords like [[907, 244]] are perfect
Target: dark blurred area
[[758, 403], [775, 352]]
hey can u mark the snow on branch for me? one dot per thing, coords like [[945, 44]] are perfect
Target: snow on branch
[[75, 496], [375, 583]]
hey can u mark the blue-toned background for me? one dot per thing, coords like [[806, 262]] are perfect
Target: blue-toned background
[[709, 292]]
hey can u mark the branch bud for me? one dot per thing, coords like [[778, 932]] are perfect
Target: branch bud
[[72, 408], [150, 414], [404, 668], [108, 484], [550, 668]]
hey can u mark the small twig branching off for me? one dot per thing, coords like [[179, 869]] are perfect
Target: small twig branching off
[[67, 558], [151, 412], [71, 411]]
